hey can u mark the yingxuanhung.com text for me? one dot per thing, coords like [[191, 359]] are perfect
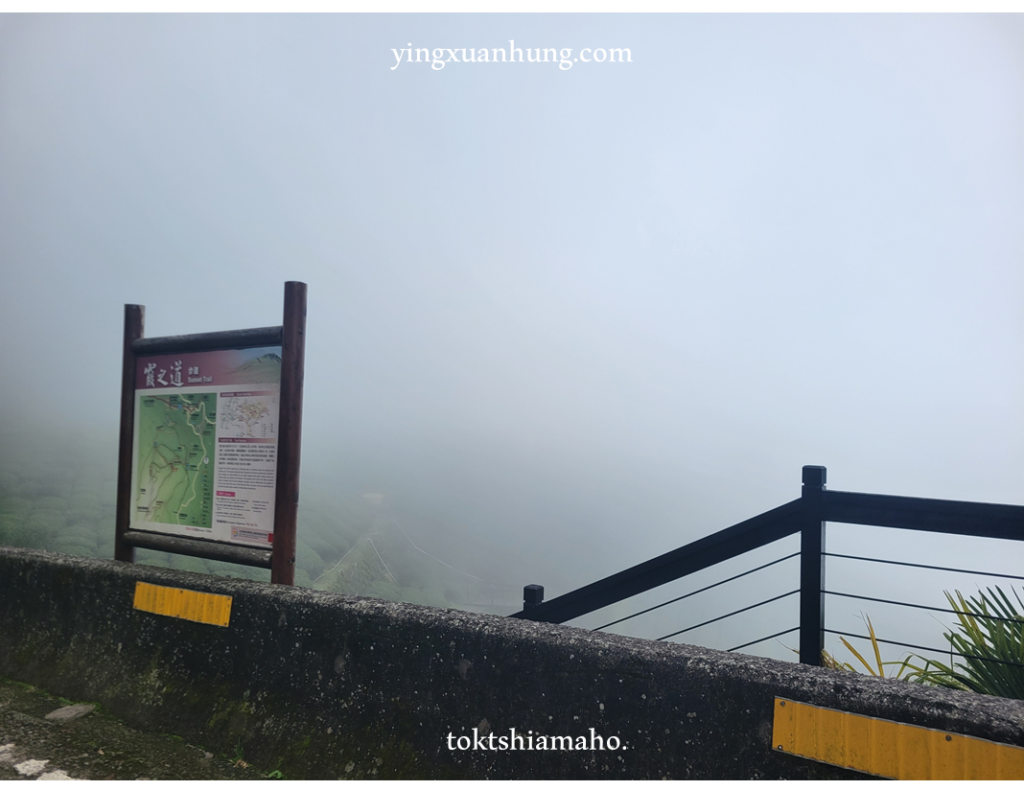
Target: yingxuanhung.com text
[[439, 57]]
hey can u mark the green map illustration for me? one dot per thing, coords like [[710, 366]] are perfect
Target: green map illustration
[[177, 443]]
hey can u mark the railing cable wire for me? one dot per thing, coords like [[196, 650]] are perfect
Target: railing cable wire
[[916, 565], [762, 639], [738, 611], [929, 608], [941, 651], [702, 589]]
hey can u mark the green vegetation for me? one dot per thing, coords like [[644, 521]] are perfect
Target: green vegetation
[[57, 492], [878, 670], [990, 643]]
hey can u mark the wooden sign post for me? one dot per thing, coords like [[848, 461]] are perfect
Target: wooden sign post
[[211, 430]]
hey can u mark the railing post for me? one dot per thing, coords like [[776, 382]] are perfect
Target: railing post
[[812, 566], [533, 595]]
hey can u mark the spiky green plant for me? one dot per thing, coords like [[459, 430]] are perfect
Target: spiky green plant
[[829, 660], [878, 670], [990, 643]]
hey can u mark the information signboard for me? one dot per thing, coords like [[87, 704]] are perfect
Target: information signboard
[[205, 449], [211, 427]]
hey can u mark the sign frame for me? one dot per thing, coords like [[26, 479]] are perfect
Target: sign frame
[[291, 337]]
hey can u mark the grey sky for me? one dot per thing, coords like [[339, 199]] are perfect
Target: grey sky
[[615, 307]]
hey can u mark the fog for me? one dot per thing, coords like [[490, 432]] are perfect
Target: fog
[[562, 319]]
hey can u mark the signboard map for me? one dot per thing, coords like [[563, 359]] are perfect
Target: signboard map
[[176, 445], [205, 444]]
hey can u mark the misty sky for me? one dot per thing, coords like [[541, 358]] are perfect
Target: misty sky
[[603, 310]]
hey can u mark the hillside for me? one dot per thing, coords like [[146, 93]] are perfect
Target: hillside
[[57, 492]]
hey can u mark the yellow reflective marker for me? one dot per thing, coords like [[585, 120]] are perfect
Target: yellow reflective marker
[[186, 604], [888, 748]]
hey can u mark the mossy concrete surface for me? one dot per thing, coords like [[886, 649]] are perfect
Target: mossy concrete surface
[[318, 685], [35, 744]]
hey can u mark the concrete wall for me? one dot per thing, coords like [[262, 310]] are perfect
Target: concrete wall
[[325, 686]]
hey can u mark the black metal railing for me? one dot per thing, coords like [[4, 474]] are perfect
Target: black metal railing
[[972, 615], [807, 517]]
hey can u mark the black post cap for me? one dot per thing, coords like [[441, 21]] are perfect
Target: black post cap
[[814, 476], [533, 594]]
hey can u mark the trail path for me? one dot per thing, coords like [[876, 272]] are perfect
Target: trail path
[[44, 737]]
